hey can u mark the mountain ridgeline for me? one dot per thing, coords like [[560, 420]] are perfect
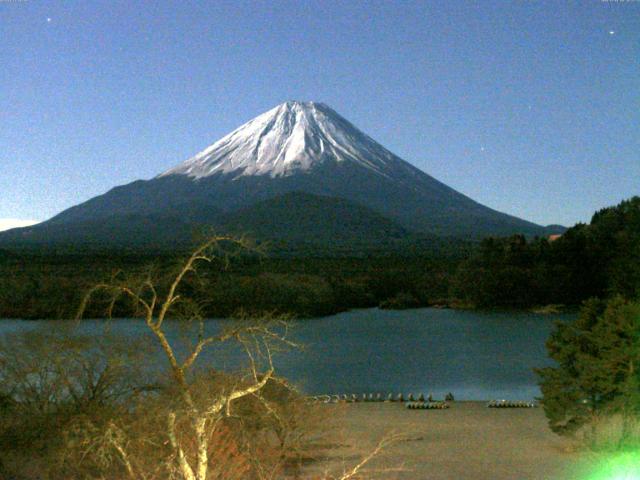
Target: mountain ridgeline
[[299, 172]]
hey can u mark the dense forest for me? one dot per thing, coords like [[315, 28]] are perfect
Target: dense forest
[[51, 286], [596, 259]]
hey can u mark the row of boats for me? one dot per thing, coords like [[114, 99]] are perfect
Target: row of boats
[[511, 404], [427, 405], [413, 403], [375, 397]]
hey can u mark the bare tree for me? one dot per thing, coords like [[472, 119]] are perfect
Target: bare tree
[[199, 409], [190, 440]]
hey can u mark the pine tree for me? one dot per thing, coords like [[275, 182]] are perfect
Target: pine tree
[[617, 336], [597, 372]]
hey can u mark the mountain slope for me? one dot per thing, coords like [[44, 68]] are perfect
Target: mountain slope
[[297, 147], [302, 217], [114, 232], [291, 219]]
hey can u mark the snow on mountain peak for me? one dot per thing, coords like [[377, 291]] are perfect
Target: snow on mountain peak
[[292, 137]]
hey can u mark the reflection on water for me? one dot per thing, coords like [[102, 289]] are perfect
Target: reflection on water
[[475, 355]]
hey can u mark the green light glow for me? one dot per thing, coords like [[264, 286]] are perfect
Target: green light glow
[[625, 466]]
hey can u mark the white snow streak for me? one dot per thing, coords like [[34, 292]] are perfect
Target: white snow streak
[[290, 138]]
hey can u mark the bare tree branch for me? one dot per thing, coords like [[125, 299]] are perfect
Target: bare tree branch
[[385, 442]]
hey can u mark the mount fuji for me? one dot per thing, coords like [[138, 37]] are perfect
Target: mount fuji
[[300, 163]]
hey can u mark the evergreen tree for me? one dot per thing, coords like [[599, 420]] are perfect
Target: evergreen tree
[[617, 337], [597, 359]]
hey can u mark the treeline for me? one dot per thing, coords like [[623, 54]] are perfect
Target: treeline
[[595, 260], [34, 286]]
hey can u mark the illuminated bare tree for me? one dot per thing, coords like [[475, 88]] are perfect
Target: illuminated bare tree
[[191, 453]]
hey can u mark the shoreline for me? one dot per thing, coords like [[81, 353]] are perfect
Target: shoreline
[[535, 310]]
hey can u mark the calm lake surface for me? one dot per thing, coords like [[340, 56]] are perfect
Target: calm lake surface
[[475, 355]]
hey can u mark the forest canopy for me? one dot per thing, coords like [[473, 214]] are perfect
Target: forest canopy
[[594, 260]]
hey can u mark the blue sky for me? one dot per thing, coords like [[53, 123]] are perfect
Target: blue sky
[[531, 108]]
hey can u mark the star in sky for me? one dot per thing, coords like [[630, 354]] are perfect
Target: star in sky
[[48, 19]]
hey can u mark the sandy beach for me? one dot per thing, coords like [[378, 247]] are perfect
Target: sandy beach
[[466, 441]]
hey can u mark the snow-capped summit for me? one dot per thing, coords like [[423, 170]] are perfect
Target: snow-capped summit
[[292, 137]]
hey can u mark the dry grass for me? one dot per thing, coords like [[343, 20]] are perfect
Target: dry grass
[[607, 434]]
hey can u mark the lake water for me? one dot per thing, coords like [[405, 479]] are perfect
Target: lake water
[[475, 355]]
